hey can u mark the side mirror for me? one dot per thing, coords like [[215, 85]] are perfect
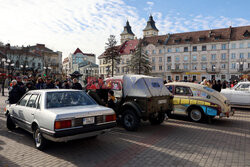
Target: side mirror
[[7, 101]]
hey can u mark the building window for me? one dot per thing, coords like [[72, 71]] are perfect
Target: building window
[[223, 46], [177, 58], [241, 55], [248, 66], [153, 68], [223, 77], [213, 56], [223, 56], [185, 66], [169, 78], [169, 50], [194, 58], [185, 49], [160, 59], [204, 58], [249, 55], [153, 52], [194, 48], [160, 51], [177, 49], [233, 45], [203, 66], [169, 67], [241, 45], [146, 52], [169, 59], [177, 78], [160, 68], [185, 58], [204, 48], [177, 66], [194, 67], [223, 66], [153, 59], [213, 47], [233, 65], [248, 45], [233, 56]]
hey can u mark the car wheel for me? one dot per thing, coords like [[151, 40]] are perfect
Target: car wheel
[[196, 114], [157, 120], [130, 120], [9, 123], [39, 140]]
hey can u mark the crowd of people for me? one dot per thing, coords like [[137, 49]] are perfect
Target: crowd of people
[[20, 85]]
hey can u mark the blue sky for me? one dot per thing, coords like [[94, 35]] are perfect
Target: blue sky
[[65, 25]]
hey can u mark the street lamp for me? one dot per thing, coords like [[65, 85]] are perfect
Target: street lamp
[[46, 69]]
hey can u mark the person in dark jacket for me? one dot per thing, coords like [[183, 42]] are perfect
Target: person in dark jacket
[[15, 93], [49, 84], [30, 86], [112, 101], [65, 85], [40, 83], [58, 84], [219, 86], [92, 93], [76, 84]]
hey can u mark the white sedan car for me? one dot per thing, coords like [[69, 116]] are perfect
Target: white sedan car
[[239, 95], [59, 115]]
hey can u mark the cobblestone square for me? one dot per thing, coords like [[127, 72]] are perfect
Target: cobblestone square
[[177, 142]]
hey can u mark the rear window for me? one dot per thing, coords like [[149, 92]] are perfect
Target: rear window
[[66, 99]]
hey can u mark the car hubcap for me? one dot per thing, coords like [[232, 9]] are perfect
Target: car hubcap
[[38, 138], [128, 120], [195, 115]]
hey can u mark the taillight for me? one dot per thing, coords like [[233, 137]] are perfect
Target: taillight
[[63, 124], [109, 118]]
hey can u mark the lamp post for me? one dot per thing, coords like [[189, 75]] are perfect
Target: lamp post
[[24, 68], [240, 65], [46, 69], [3, 63]]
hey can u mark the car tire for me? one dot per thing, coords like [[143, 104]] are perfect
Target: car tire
[[196, 115], [157, 120], [9, 123], [130, 120], [39, 140]]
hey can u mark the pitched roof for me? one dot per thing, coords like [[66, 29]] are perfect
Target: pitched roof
[[79, 51], [150, 24], [128, 46], [65, 60], [196, 37], [127, 29]]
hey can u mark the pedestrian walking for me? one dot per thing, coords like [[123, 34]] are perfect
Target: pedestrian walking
[[16, 92]]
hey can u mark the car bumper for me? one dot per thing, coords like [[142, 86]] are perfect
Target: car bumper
[[227, 114], [78, 133]]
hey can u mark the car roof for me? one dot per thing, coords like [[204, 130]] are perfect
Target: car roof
[[53, 90], [190, 84]]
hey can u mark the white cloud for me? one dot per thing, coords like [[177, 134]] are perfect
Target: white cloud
[[65, 25]]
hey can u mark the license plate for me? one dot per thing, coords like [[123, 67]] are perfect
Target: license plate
[[162, 101], [88, 120]]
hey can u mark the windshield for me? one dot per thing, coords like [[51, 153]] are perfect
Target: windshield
[[65, 99], [208, 89]]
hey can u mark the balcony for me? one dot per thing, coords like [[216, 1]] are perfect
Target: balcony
[[213, 70], [178, 70]]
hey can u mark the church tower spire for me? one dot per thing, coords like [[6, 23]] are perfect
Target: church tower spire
[[127, 33], [150, 29]]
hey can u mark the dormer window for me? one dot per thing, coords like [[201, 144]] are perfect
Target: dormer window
[[202, 38], [188, 39], [177, 40], [217, 37], [246, 34]]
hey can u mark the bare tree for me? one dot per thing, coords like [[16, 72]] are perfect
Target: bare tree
[[112, 54], [139, 63]]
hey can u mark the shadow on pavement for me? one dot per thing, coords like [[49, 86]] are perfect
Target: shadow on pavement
[[5, 162]]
